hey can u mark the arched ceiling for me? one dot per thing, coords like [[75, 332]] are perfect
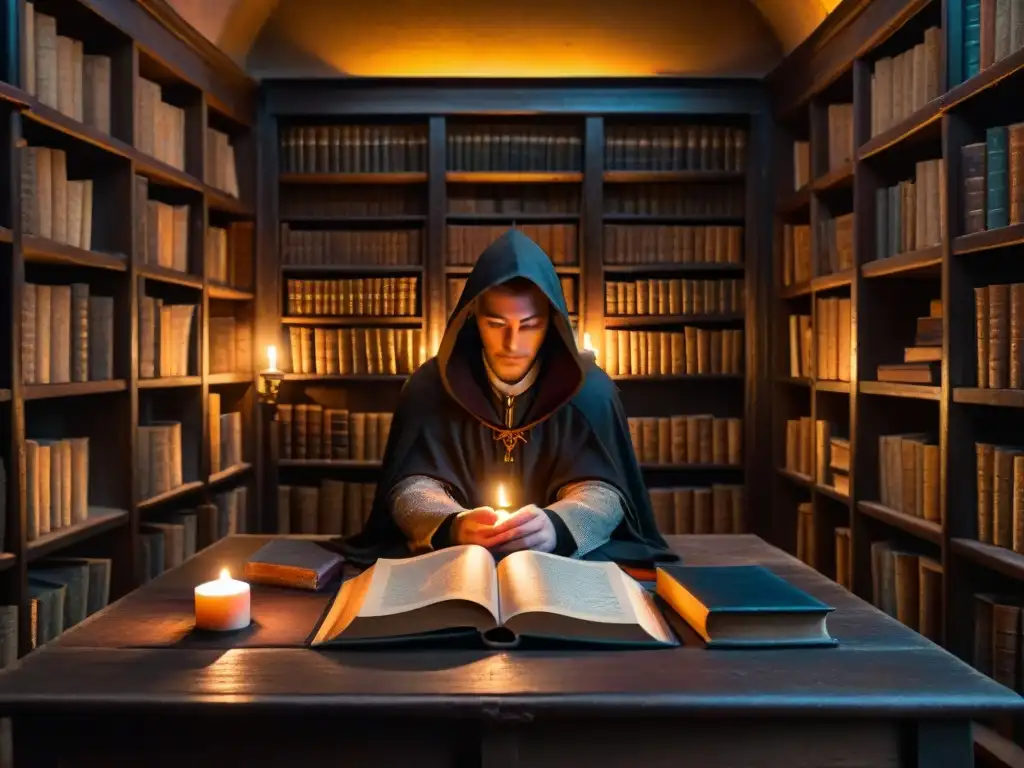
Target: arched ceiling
[[529, 38]]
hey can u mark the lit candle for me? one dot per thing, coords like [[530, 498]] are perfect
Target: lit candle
[[588, 346], [502, 508], [222, 605], [272, 359]]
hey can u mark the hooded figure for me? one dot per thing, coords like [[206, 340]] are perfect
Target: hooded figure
[[508, 400]]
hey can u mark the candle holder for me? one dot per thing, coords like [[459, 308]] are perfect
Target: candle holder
[[269, 386]]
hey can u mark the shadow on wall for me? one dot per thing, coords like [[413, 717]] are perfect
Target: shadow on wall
[[531, 38]]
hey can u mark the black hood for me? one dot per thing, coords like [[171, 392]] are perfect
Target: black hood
[[562, 373]]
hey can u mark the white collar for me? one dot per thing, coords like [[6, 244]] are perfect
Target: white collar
[[512, 390]]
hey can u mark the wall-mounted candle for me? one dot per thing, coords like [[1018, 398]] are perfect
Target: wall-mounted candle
[[222, 605], [272, 358], [588, 346]]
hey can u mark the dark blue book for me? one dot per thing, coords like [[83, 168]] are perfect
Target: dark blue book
[[744, 606]]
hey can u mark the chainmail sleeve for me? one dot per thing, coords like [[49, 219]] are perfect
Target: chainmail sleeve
[[420, 505], [591, 510]]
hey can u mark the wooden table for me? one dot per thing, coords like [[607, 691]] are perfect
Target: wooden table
[[134, 686]]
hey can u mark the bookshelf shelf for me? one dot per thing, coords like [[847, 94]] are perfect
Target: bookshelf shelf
[[169, 276], [838, 178], [795, 202], [680, 268], [669, 177], [511, 218], [997, 748], [1003, 398], [795, 477], [647, 321], [513, 177], [999, 559], [161, 173], [231, 473], [354, 269], [175, 494], [832, 493], [353, 320], [897, 389], [794, 381], [327, 464], [100, 520], [44, 250], [925, 124], [652, 218], [796, 291], [13, 96], [831, 282], [926, 261], [227, 293], [170, 382], [382, 220], [989, 240], [240, 377], [839, 387], [72, 389], [225, 203], [460, 269], [916, 526], [1003, 74], [406, 177]]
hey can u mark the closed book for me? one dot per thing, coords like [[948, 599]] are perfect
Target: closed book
[[744, 606], [298, 563]]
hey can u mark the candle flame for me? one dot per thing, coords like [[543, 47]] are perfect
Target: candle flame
[[271, 358], [587, 344], [225, 575], [502, 501]]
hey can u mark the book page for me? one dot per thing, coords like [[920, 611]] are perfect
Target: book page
[[453, 573], [536, 581]]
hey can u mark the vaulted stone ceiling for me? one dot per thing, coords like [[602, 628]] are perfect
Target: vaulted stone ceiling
[[530, 37]]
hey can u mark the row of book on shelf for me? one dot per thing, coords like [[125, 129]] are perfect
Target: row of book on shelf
[[909, 214], [334, 507], [672, 296], [54, 206], [165, 334], [674, 244], [230, 349], [688, 352], [999, 329], [1000, 495], [353, 296], [908, 465], [59, 72], [719, 200], [998, 646], [922, 362], [56, 484], [675, 148], [327, 201], [454, 286], [464, 243], [514, 147], [811, 450], [514, 198], [66, 334], [348, 247], [171, 537], [993, 196], [687, 439], [684, 510], [807, 545], [229, 254], [311, 431], [353, 148], [226, 434], [358, 351], [990, 33]]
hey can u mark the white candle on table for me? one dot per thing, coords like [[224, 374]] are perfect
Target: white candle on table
[[222, 605]]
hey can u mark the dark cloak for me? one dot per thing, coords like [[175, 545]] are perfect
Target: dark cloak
[[446, 422]]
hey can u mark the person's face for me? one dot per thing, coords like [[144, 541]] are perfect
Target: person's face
[[512, 327]]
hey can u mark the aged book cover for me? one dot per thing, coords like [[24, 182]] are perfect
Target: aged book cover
[[461, 591], [298, 563]]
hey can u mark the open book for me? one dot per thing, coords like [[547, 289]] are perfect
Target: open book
[[528, 594]]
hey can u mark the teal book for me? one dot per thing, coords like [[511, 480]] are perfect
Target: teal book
[[997, 192], [972, 38], [744, 606]]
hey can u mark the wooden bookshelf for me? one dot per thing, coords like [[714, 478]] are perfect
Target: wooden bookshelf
[[106, 259], [897, 274], [457, 202]]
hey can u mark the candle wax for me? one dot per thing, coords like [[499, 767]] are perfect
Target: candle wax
[[222, 605]]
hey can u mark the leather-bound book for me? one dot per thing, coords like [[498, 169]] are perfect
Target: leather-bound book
[[297, 563]]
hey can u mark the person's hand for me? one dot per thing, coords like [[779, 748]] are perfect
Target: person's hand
[[473, 526], [527, 528]]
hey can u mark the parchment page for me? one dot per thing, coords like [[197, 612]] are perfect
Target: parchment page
[[453, 573], [536, 581]]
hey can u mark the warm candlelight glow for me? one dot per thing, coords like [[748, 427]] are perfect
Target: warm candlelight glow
[[271, 358], [222, 604], [587, 345], [502, 499]]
